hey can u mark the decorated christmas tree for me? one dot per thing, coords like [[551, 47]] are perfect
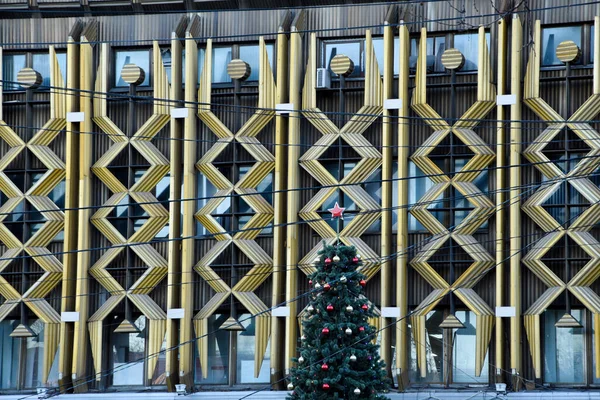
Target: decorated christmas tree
[[337, 356]]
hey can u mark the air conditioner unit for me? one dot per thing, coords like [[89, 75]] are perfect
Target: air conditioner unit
[[323, 79]]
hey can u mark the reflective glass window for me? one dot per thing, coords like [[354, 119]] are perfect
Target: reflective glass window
[[434, 347], [250, 54], [552, 37], [221, 59], [435, 48], [378, 47], [351, 49], [564, 349], [464, 352], [246, 345], [141, 58], [217, 370], [468, 45], [9, 355], [126, 349], [11, 65], [41, 63]]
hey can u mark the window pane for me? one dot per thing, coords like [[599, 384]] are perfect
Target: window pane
[[218, 353], [435, 48], [418, 185], [463, 365], [468, 45], [41, 63], [552, 37], [245, 357], [250, 54], [127, 348], [350, 49], [378, 47], [11, 65], [434, 347], [221, 59], [141, 58], [34, 357], [9, 355], [564, 351]]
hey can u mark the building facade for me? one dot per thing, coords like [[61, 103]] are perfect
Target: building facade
[[166, 170]]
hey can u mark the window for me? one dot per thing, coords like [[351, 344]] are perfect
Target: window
[[250, 54], [468, 45], [218, 353], [246, 345], [443, 367], [354, 49], [11, 65], [564, 349], [225, 215], [27, 352], [552, 37], [41, 63], [372, 186], [418, 185], [128, 348], [141, 58], [435, 48], [378, 47]]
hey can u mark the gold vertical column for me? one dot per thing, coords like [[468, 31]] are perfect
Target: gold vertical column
[[186, 351], [279, 234], [386, 193], [174, 207], [402, 263], [515, 192], [70, 228], [293, 195], [80, 342], [500, 179]]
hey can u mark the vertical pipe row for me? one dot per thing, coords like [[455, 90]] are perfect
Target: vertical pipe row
[[402, 245], [279, 211], [515, 203], [189, 192], [80, 343], [293, 196], [500, 182], [174, 206]]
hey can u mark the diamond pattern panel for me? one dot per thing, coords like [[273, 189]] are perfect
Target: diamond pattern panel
[[462, 181], [578, 228], [140, 192], [244, 240]]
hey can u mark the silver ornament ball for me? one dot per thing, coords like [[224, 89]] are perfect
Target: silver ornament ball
[[352, 358], [336, 258], [348, 331], [303, 338], [343, 279], [290, 387], [317, 285], [310, 309], [357, 391], [349, 309], [301, 360]]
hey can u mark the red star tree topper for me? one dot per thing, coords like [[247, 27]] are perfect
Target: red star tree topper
[[337, 211]]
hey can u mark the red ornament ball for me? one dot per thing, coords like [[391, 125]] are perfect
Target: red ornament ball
[[365, 307], [325, 386], [363, 283], [362, 329], [328, 260], [325, 331], [330, 308], [355, 260], [310, 282], [325, 367], [326, 287]]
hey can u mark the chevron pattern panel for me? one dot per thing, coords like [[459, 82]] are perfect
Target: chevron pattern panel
[[244, 240], [140, 192], [36, 196], [578, 229], [462, 234]]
